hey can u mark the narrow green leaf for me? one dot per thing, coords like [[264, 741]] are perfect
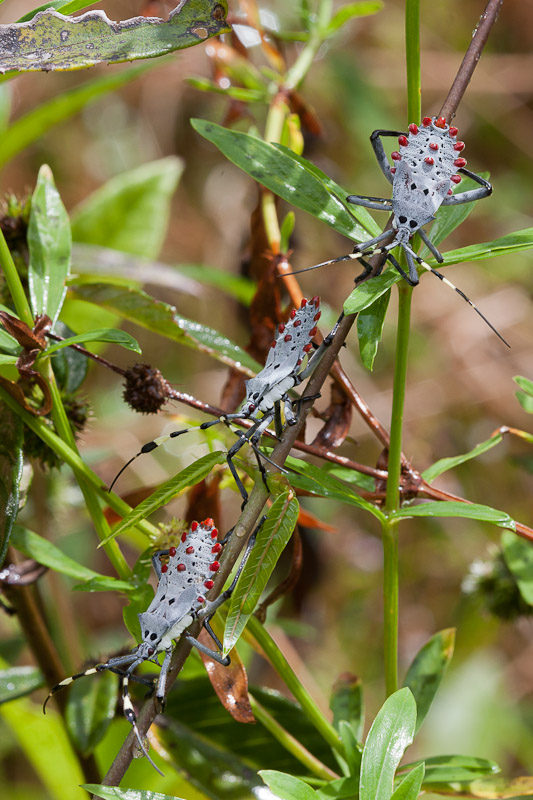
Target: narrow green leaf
[[115, 793], [49, 243], [70, 366], [90, 709], [457, 509], [65, 6], [506, 245], [51, 41], [444, 464], [427, 670], [365, 294], [452, 768], [8, 343], [237, 92], [347, 703], [31, 126], [11, 463], [341, 789], [353, 750], [518, 556], [319, 482], [282, 173], [367, 223], [130, 212], [46, 553], [409, 788], [17, 682], [189, 476], [111, 335], [391, 733], [286, 786], [351, 10], [370, 323], [270, 543], [526, 401], [138, 307]]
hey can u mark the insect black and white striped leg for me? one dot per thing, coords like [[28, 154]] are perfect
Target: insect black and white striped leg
[[129, 713]]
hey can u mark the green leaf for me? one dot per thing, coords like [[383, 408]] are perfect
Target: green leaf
[[341, 789], [237, 92], [52, 42], [138, 307], [90, 709], [17, 682], [131, 211], [49, 243], [427, 670], [524, 384], [46, 553], [321, 483], [353, 750], [347, 703], [444, 464], [271, 540], [453, 508], [189, 476], [8, 343], [282, 173], [351, 10], [525, 398], [518, 556], [69, 365], [370, 327], [11, 464], [287, 787], [506, 245], [31, 126], [103, 335], [365, 294], [449, 769], [65, 6], [409, 788], [115, 793], [368, 225], [391, 733]]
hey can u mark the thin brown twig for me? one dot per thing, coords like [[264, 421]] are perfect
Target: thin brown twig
[[470, 61]]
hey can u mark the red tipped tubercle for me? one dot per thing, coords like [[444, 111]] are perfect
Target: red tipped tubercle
[[460, 162], [315, 300], [453, 131], [403, 141], [413, 128], [440, 122], [395, 155], [172, 552], [194, 526], [426, 121]]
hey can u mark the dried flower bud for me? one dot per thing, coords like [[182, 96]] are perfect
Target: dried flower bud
[[146, 389]]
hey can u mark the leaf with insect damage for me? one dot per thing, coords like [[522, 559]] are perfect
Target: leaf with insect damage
[[270, 543], [11, 463], [53, 41]]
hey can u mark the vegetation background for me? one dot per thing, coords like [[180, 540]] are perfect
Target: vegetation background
[[460, 377]]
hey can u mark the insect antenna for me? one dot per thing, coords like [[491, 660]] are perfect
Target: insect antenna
[[462, 294], [348, 257], [147, 448], [129, 713]]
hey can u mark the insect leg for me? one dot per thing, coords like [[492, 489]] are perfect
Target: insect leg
[[462, 294], [278, 425], [412, 279], [474, 194], [203, 648], [377, 203], [431, 247], [379, 151], [129, 712], [397, 267], [162, 680]]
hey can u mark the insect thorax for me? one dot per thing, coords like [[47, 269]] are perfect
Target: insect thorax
[[424, 172], [287, 352], [185, 578]]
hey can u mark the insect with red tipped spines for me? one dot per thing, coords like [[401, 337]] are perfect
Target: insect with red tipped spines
[[425, 169], [185, 576], [271, 386]]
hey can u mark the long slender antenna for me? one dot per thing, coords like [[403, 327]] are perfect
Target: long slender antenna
[[348, 257], [147, 448], [462, 294]]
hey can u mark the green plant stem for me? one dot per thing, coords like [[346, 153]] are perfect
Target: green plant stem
[[303, 63], [14, 284], [392, 500], [282, 667], [290, 743], [72, 458], [412, 53]]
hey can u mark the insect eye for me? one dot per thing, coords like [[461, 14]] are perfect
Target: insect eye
[[151, 651], [251, 407]]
